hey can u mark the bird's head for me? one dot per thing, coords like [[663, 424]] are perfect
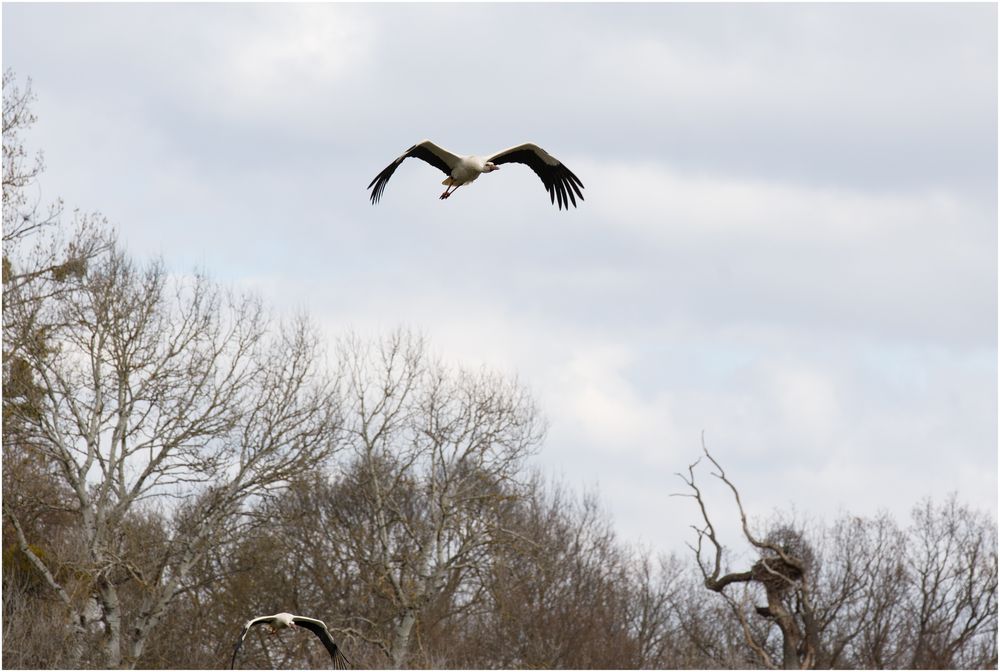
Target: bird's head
[[490, 167], [283, 620]]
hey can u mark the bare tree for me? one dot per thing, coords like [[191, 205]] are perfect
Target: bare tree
[[784, 573], [158, 388], [388, 547], [19, 170], [862, 593], [951, 565], [567, 593], [298, 560], [40, 261], [35, 248], [860, 584], [435, 452]]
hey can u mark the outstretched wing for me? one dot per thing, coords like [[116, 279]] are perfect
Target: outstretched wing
[[559, 180], [243, 635], [340, 661], [427, 151]]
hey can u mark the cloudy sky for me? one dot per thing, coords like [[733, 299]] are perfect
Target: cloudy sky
[[789, 238]]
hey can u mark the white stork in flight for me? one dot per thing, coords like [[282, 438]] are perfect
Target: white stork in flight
[[559, 180], [285, 620]]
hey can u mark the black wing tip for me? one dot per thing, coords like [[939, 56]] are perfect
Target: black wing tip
[[379, 186], [232, 663], [417, 151], [565, 191], [342, 662], [239, 642], [563, 186], [319, 628]]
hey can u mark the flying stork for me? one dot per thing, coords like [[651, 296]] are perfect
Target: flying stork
[[285, 620], [559, 180]]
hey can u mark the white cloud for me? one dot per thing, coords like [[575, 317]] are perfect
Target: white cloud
[[284, 61], [807, 400], [598, 402], [911, 264]]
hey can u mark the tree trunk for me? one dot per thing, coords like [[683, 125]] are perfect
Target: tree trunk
[[152, 613], [108, 596], [790, 634], [401, 638], [77, 647]]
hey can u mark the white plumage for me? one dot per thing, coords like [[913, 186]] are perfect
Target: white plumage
[[284, 621], [563, 186]]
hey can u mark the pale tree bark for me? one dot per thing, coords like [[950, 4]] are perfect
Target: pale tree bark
[[42, 261], [160, 388]]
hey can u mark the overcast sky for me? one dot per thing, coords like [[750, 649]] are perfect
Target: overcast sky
[[789, 238]]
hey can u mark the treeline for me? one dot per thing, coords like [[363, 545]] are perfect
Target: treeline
[[177, 460]]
